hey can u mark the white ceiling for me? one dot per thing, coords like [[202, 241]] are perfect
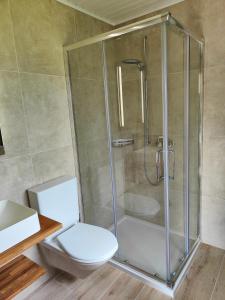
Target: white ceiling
[[118, 11]]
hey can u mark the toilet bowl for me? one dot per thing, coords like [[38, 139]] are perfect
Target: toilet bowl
[[77, 248]]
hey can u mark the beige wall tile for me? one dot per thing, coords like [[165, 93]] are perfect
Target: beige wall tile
[[86, 62], [114, 108], [188, 12], [213, 221], [155, 105], [16, 176], [194, 104], [214, 104], [100, 184], [100, 215], [195, 52], [154, 50], [47, 114], [41, 29], [7, 49], [175, 45], [213, 22], [87, 26], [97, 152], [213, 167], [12, 121], [52, 164], [88, 100], [175, 104]]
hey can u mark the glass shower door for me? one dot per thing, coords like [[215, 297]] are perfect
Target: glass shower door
[[135, 102]]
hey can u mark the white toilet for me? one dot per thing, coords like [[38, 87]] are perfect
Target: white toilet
[[76, 248]]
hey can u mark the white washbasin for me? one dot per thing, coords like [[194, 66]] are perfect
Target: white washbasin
[[17, 222]]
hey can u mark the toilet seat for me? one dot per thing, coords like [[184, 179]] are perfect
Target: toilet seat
[[88, 243]]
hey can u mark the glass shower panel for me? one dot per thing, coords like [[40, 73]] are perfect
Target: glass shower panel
[[135, 101], [194, 128], [86, 76], [122, 101], [176, 55]]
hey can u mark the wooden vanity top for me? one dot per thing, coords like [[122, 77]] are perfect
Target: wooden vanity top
[[48, 226]]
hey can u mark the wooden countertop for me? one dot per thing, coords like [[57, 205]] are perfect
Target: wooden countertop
[[48, 226]]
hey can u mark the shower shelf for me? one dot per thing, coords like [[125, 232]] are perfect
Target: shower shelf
[[122, 142]]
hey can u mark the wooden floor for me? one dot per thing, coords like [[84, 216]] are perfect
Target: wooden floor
[[205, 280]]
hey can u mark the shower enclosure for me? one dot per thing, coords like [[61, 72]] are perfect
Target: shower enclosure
[[135, 95]]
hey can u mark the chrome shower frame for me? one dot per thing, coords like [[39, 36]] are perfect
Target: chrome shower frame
[[163, 20]]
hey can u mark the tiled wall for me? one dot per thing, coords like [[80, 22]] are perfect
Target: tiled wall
[[213, 192], [34, 113]]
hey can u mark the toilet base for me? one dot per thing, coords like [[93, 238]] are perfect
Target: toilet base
[[60, 260]]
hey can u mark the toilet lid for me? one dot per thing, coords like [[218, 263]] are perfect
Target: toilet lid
[[88, 243]]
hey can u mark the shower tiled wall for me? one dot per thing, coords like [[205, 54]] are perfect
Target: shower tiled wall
[[34, 113]]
